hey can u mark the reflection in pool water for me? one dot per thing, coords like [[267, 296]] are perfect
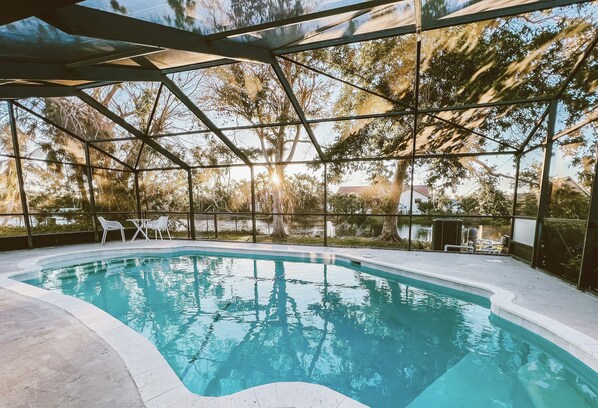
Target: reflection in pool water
[[228, 324]]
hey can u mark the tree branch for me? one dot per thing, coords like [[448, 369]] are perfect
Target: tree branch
[[593, 116], [490, 170], [295, 142]]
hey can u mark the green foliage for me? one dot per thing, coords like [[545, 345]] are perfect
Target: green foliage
[[244, 13], [305, 194], [491, 200], [567, 203], [164, 190], [114, 191], [350, 204], [215, 190], [562, 248], [445, 174], [11, 231], [440, 204], [78, 225], [470, 204], [360, 226], [527, 205]]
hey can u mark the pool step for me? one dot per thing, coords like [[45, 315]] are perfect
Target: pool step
[[475, 381], [548, 389]]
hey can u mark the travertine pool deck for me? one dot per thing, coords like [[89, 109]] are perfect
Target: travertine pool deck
[[49, 359], [108, 357]]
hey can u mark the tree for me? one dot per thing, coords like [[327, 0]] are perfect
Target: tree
[[509, 58], [305, 194], [59, 183], [216, 190], [487, 199], [89, 124], [252, 94], [10, 200], [113, 188], [565, 202]]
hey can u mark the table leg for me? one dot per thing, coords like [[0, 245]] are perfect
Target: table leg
[[143, 232], [137, 232]]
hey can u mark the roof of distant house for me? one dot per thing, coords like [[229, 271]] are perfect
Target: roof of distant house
[[569, 182], [346, 190], [420, 188]]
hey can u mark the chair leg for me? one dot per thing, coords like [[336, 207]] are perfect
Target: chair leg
[[122, 234], [169, 237], [104, 236], [160, 232], [156, 235]]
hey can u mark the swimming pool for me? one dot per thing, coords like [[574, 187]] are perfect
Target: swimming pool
[[226, 324]]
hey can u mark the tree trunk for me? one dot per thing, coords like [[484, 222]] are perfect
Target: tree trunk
[[13, 195], [389, 228], [82, 187], [277, 177]]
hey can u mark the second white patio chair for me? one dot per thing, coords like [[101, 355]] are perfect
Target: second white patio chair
[[159, 225], [111, 225]]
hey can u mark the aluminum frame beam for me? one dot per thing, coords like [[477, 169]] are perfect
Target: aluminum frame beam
[[114, 56], [441, 23], [253, 200], [73, 135], [131, 129], [20, 177], [206, 121], [191, 204], [15, 10], [413, 110], [515, 192], [498, 13], [88, 22], [40, 71], [418, 48], [297, 106], [578, 65], [149, 124], [534, 130], [358, 6], [92, 200], [482, 105], [32, 91], [137, 195], [544, 184], [588, 276]]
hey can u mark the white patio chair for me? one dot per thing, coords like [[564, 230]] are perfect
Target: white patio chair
[[111, 225], [159, 225]]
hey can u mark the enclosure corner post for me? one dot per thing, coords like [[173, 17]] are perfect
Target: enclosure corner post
[[253, 221], [191, 205], [325, 204], [20, 178], [92, 201], [514, 202], [418, 47], [588, 273], [544, 184], [137, 195]]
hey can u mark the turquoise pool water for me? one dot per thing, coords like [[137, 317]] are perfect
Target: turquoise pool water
[[225, 324]]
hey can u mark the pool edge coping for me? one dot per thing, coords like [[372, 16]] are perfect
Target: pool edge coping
[[156, 381]]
